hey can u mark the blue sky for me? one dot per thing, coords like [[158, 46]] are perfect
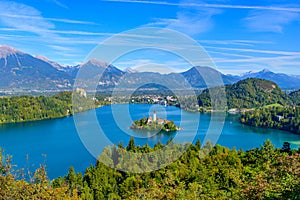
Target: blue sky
[[238, 35]]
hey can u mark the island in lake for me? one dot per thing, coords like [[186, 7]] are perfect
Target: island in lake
[[154, 124]]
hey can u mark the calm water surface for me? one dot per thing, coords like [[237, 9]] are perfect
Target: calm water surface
[[56, 142]]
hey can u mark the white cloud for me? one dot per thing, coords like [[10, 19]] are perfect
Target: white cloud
[[53, 40], [287, 53], [59, 3], [62, 48], [34, 17], [234, 42], [272, 60], [24, 18], [32, 22], [196, 17], [211, 5], [270, 21], [237, 60], [274, 63], [229, 54], [189, 20], [26, 22], [62, 32]]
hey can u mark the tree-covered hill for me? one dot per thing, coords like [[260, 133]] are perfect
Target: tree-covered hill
[[284, 118], [250, 93], [200, 173], [31, 108], [295, 96]]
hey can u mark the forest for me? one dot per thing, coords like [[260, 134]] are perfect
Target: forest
[[202, 172], [248, 93], [295, 96], [29, 108], [277, 117]]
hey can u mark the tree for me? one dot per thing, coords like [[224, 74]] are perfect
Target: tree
[[131, 145], [286, 147]]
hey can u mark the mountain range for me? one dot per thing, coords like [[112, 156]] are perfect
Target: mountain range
[[285, 81], [22, 71]]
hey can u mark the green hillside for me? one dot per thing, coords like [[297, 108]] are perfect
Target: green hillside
[[249, 93], [283, 118], [200, 173], [295, 96], [31, 108]]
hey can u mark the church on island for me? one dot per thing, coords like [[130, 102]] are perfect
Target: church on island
[[152, 123], [154, 119]]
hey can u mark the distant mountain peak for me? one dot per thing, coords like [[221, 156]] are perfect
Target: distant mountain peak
[[254, 73], [202, 67], [6, 51], [283, 80], [265, 70], [96, 62], [247, 73], [54, 64], [130, 70], [43, 58]]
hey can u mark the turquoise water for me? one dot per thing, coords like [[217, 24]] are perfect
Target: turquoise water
[[57, 143]]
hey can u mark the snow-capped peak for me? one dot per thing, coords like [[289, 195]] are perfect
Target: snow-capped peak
[[254, 72], [130, 70], [96, 62], [6, 51], [247, 73], [265, 70], [42, 58], [54, 64]]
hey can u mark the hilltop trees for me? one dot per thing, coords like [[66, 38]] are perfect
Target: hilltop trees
[[200, 173], [284, 118], [249, 93], [30, 108], [295, 96], [261, 173], [39, 187]]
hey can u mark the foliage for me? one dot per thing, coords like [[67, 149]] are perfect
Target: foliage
[[265, 173], [200, 173], [284, 118], [39, 187], [188, 103], [30, 108], [249, 93], [295, 96], [158, 125]]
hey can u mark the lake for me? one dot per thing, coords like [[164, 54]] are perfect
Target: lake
[[56, 142]]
